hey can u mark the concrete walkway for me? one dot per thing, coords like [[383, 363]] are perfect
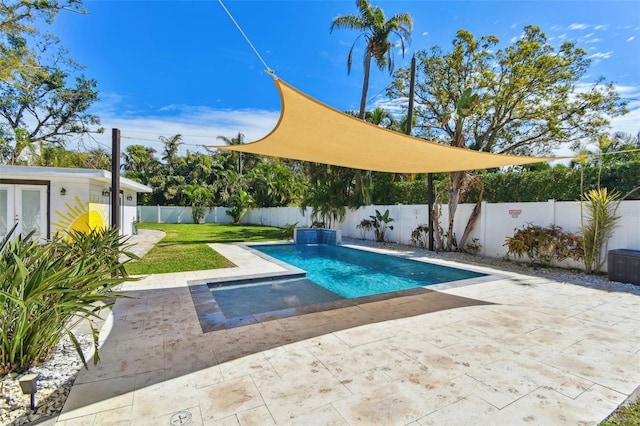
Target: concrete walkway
[[530, 351]]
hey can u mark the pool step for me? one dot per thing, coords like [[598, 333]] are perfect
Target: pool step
[[257, 278]]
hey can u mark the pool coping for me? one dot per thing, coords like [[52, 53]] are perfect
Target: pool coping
[[211, 317]]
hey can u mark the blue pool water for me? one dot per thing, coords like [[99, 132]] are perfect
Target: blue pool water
[[353, 273]]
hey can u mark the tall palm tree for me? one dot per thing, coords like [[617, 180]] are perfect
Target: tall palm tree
[[378, 33], [239, 140], [170, 153]]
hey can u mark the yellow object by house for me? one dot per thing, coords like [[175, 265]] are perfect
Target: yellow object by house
[[83, 217]]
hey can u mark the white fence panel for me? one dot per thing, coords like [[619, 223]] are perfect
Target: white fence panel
[[495, 223]]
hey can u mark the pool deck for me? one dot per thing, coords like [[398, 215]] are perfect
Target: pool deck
[[518, 350]]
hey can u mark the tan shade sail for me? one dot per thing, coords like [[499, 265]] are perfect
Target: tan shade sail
[[311, 131]]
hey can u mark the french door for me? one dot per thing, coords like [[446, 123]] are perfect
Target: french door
[[26, 206]]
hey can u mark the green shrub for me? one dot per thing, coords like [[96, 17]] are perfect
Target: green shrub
[[544, 245], [240, 203], [364, 226], [48, 289], [559, 183]]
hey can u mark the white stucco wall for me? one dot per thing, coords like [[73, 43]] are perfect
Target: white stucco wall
[[82, 204]]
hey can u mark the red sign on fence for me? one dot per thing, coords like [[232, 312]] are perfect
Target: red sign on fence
[[515, 212]]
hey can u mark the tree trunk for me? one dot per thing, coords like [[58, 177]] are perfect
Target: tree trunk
[[472, 219], [437, 234], [454, 200], [365, 84], [456, 188]]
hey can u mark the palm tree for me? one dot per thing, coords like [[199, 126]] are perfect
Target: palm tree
[[170, 153], [200, 198], [380, 117], [239, 140], [377, 32]]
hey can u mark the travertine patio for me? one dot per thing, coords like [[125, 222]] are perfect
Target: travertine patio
[[518, 350]]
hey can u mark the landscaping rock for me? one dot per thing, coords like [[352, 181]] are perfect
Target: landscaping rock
[[56, 376]]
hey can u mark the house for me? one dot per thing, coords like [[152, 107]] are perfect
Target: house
[[53, 200]]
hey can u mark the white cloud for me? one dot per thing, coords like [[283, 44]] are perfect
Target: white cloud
[[631, 38], [425, 33], [578, 27], [601, 27], [197, 125], [589, 35], [562, 36], [601, 55], [630, 122], [593, 40], [556, 28]]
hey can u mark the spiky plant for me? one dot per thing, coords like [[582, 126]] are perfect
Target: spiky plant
[[48, 289], [600, 223]]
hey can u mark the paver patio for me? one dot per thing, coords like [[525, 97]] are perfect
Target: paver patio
[[526, 350]]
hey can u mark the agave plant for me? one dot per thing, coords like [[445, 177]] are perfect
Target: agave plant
[[48, 289]]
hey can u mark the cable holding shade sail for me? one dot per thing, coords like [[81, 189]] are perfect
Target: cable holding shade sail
[[311, 131]]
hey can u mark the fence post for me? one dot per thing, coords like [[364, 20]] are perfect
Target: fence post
[[483, 226]]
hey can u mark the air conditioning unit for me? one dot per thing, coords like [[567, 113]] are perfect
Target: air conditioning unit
[[624, 265]]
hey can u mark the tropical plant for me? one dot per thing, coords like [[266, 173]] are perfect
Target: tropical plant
[[611, 148], [364, 226], [474, 247], [235, 157], [273, 184], [380, 224], [543, 246], [240, 203], [139, 163], [200, 198], [600, 223], [420, 236], [329, 192], [48, 289], [170, 152], [377, 32], [290, 228]]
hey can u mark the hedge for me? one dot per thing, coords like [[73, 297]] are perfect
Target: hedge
[[560, 183]]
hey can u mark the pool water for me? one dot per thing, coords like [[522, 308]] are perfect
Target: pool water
[[269, 296], [353, 273]]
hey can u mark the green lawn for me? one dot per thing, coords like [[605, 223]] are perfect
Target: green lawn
[[625, 416], [184, 248]]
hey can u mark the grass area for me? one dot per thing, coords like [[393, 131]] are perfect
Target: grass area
[[625, 416], [185, 248]]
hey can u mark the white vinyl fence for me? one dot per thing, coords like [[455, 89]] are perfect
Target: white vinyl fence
[[496, 222]]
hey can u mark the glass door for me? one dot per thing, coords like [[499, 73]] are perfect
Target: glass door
[[25, 205], [6, 217], [31, 204]]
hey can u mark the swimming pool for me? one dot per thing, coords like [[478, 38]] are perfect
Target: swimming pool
[[317, 278], [353, 273]]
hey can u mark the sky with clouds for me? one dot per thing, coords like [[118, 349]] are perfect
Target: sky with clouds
[[166, 67]]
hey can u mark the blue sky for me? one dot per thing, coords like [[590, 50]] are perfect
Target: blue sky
[[168, 67]]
